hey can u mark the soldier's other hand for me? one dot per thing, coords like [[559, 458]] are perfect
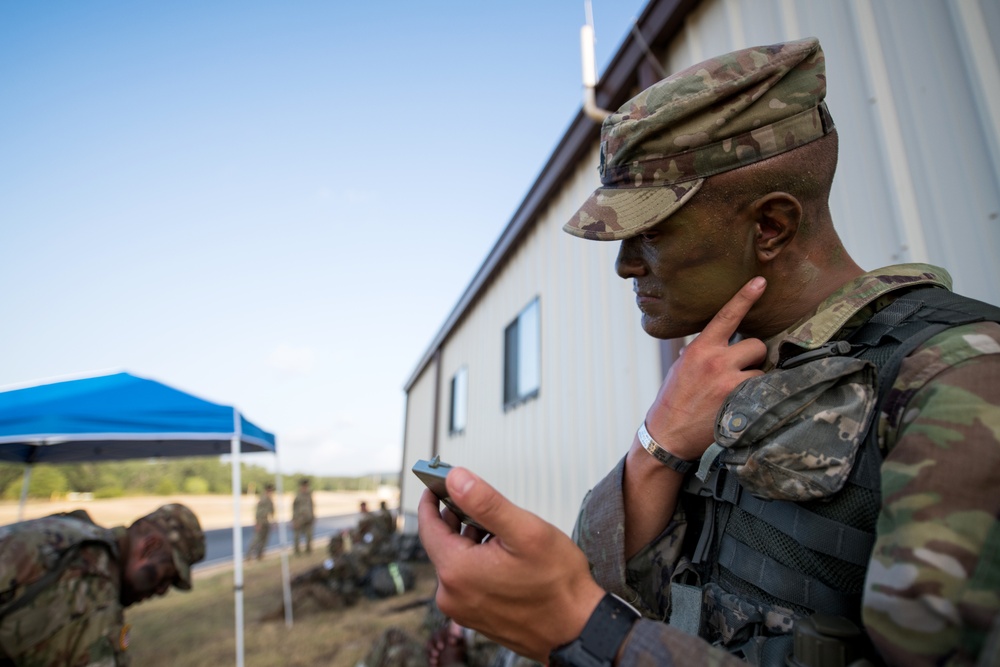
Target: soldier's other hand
[[528, 588], [446, 647], [682, 418]]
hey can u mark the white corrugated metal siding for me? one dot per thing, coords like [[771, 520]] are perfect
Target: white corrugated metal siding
[[418, 434]]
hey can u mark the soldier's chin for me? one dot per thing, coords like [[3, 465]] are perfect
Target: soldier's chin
[[128, 597], [664, 328]]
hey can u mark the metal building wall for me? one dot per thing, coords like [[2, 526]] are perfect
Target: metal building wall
[[548, 451], [417, 440], [914, 87]]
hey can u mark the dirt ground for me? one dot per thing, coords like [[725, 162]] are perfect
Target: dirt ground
[[213, 511]]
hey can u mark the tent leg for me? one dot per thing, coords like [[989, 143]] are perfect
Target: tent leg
[[24, 492], [237, 543], [286, 586]]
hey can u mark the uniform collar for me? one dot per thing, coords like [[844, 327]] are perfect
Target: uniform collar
[[836, 312]]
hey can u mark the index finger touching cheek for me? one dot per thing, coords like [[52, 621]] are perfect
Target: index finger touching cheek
[[728, 319]]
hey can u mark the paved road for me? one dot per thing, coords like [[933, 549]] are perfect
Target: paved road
[[219, 543]]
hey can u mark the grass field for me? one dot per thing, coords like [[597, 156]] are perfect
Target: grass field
[[197, 629]]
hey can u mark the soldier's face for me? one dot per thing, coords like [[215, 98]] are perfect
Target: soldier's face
[[148, 577], [684, 269]]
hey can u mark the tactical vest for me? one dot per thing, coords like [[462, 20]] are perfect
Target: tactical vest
[[751, 555], [81, 534]]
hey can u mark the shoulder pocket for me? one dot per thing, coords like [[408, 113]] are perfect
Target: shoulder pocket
[[793, 434]]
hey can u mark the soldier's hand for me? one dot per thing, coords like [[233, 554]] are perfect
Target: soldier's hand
[[682, 418], [528, 587]]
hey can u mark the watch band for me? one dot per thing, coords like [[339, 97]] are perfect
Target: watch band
[[602, 636], [662, 455]]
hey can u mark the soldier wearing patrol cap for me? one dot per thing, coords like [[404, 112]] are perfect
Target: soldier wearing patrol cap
[[65, 581], [264, 514], [815, 481]]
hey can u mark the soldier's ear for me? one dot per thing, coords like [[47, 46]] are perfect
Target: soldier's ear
[[777, 216], [151, 545]]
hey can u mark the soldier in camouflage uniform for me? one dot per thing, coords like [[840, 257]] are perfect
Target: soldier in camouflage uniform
[[384, 515], [336, 583], [303, 518], [366, 522], [262, 523], [372, 542], [65, 581], [775, 485]]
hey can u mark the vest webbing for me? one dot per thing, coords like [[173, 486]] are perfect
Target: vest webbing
[[35, 588], [794, 578]]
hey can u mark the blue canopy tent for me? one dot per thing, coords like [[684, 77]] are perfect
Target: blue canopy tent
[[121, 416], [118, 416]]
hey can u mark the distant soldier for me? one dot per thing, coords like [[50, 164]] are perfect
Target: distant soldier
[[265, 513], [372, 543], [65, 581], [339, 543], [366, 522], [303, 517], [333, 584], [385, 516]]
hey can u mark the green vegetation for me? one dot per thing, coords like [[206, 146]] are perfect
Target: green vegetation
[[196, 475]]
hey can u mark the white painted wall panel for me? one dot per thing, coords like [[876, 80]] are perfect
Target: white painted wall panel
[[547, 452], [418, 431]]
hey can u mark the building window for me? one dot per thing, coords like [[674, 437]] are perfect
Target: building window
[[522, 357], [459, 401]]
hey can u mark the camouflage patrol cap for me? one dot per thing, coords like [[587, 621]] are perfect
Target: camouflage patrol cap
[[724, 113], [186, 538]]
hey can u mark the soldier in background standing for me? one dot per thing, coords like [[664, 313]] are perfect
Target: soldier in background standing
[[303, 517], [385, 516], [262, 528], [66, 582], [366, 521]]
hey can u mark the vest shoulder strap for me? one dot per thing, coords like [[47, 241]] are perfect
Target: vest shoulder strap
[[35, 588]]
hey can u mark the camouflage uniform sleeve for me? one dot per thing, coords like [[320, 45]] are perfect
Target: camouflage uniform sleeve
[[933, 586], [77, 622], [655, 644], [599, 531]]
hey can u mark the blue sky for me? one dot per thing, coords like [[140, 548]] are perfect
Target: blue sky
[[270, 205]]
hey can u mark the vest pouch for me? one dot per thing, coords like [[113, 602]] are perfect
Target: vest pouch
[[793, 434]]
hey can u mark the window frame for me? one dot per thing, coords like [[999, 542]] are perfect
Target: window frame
[[458, 396], [522, 383]]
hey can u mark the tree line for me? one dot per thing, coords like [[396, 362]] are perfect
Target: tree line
[[196, 475]]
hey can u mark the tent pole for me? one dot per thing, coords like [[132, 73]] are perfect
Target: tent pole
[[237, 535], [286, 586], [24, 492]]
